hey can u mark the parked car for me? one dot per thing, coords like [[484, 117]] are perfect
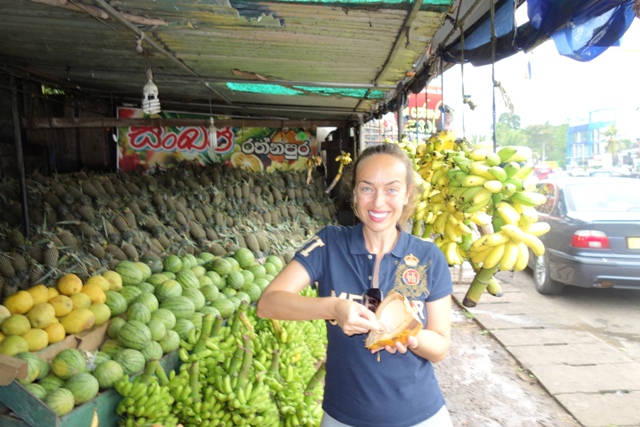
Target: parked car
[[594, 240]]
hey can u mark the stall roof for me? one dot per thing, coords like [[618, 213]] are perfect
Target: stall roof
[[284, 60]]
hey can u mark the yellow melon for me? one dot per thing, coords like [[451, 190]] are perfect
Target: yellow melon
[[81, 300], [53, 292], [36, 338], [4, 313], [100, 281], [2, 336], [101, 311], [95, 292], [41, 315], [79, 320], [69, 284], [13, 345], [16, 324], [40, 294], [19, 303], [114, 279], [55, 332], [62, 304]]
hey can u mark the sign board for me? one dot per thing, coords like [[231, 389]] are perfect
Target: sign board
[[256, 149]]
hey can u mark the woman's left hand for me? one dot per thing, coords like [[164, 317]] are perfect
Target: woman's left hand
[[412, 343]]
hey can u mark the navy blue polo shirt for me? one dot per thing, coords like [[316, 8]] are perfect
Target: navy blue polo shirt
[[397, 390]]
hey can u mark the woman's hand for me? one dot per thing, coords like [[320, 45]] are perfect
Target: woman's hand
[[354, 318], [412, 344]]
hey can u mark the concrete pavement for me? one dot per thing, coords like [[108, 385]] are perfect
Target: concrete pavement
[[598, 384]]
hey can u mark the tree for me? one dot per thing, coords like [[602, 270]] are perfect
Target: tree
[[613, 143], [550, 139]]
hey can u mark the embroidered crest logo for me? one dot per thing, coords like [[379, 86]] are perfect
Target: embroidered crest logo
[[411, 278]]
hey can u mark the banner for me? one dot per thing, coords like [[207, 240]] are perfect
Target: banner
[[422, 115], [257, 149]]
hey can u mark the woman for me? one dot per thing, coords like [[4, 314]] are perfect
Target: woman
[[393, 389]]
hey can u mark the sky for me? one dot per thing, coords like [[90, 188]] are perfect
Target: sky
[[560, 89]]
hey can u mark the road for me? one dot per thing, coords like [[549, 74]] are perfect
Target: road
[[611, 314]]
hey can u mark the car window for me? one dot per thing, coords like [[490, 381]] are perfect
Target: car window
[[603, 197], [551, 191]]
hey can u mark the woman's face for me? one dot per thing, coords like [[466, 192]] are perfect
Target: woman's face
[[381, 191]]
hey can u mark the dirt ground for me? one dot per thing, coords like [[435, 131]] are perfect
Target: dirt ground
[[485, 387]]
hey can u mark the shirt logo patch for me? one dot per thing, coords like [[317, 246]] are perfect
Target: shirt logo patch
[[316, 242], [411, 278]]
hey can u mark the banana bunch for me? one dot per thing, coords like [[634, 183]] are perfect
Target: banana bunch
[[144, 399], [508, 248]]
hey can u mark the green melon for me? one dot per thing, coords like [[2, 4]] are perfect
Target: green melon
[[188, 261], [196, 296], [183, 327], [111, 346], [210, 292], [242, 296], [207, 309], [168, 289], [157, 278], [220, 265], [114, 326], [275, 261], [206, 256], [187, 279], [60, 401], [132, 361], [258, 270], [146, 287], [67, 363], [262, 283], [205, 280], [130, 273], [138, 311], [150, 300], [172, 263], [144, 269], [154, 263], [253, 290], [157, 328], [33, 367], [235, 265], [196, 319], [224, 306], [130, 293], [108, 373], [152, 351], [215, 278], [182, 307], [270, 269], [116, 302], [134, 334], [244, 257], [235, 279], [37, 390], [99, 358], [248, 276], [199, 271], [171, 275], [83, 386], [45, 369], [165, 316], [51, 383], [170, 342]]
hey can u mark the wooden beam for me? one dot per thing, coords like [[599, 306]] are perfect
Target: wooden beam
[[92, 122]]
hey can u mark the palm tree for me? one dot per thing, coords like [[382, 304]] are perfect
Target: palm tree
[[613, 143]]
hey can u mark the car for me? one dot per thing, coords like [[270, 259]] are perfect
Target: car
[[594, 240], [600, 173]]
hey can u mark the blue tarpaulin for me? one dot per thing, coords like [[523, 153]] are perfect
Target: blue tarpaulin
[[581, 29]]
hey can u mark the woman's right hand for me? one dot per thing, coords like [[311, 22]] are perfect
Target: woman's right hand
[[354, 318]]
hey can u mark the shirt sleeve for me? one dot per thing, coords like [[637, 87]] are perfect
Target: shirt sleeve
[[313, 254], [440, 284]]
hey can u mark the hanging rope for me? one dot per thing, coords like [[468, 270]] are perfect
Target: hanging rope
[[442, 108], [493, 71]]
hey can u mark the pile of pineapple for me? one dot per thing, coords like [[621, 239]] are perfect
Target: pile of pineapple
[[85, 223]]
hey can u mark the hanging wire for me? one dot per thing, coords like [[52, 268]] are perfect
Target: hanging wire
[[443, 108], [464, 97], [493, 71]]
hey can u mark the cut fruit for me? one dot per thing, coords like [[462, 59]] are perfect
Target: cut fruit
[[399, 320]]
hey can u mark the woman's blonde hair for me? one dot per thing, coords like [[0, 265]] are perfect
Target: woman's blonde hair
[[392, 150]]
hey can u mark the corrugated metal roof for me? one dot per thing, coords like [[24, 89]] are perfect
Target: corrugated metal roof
[[339, 57]]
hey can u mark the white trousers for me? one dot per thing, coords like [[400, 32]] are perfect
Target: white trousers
[[439, 419]]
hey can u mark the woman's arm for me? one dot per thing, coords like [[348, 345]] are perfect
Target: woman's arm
[[431, 343], [281, 300]]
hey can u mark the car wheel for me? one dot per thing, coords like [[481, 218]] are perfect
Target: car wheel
[[542, 279]]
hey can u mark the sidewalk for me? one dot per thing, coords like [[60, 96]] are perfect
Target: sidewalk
[[595, 382]]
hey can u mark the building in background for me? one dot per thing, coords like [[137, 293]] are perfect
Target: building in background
[[587, 142]]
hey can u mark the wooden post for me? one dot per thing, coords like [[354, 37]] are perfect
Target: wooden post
[[19, 155]]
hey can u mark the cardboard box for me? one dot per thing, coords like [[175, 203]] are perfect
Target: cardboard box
[[32, 411]]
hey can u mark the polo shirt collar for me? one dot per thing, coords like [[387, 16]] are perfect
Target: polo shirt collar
[[358, 246]]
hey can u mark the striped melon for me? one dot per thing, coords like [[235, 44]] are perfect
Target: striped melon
[[116, 302], [60, 401], [187, 279], [130, 293], [150, 300], [131, 360], [170, 342], [196, 296], [134, 334], [152, 351], [183, 327], [224, 306], [138, 311], [168, 289], [108, 373], [130, 273], [182, 307], [67, 363], [221, 266], [83, 386], [165, 316]]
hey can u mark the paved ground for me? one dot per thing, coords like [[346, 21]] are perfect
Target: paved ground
[[595, 382]]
